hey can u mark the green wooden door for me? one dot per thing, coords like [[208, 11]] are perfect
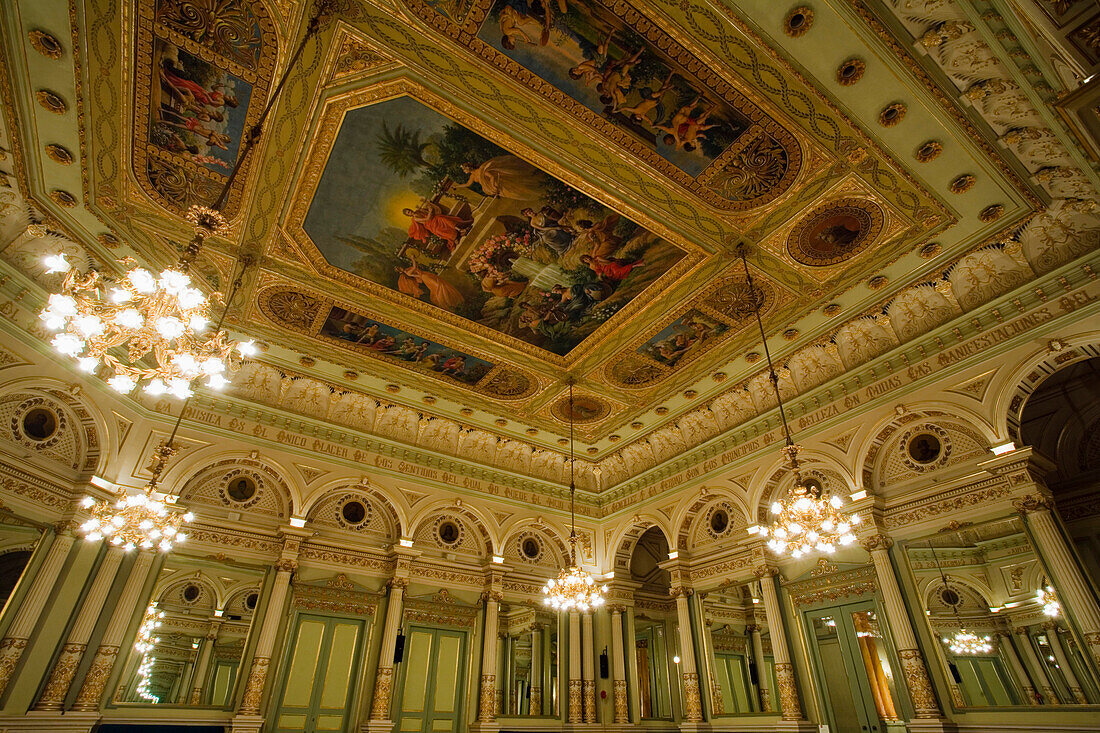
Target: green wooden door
[[432, 680], [321, 676], [733, 682]]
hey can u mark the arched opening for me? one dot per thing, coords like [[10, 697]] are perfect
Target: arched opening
[[656, 649], [12, 566], [1061, 420]]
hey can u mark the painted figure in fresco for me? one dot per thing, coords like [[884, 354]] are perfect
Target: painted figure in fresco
[[429, 218], [192, 94], [590, 71], [549, 229], [611, 269], [616, 81], [413, 281], [839, 235], [516, 26], [650, 101], [504, 176], [600, 237], [685, 130], [498, 285]]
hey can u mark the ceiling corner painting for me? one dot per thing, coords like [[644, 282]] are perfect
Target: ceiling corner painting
[[614, 69], [202, 71], [417, 206]]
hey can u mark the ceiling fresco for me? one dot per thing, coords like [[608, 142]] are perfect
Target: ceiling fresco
[[458, 203]]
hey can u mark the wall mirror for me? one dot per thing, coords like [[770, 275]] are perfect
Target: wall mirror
[[205, 610], [18, 540], [528, 648], [744, 668], [1001, 635]]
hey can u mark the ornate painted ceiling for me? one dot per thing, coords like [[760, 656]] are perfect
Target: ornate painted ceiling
[[456, 204]]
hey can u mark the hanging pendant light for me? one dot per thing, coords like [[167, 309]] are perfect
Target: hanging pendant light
[[804, 521], [574, 588], [1048, 599], [963, 642], [152, 330]]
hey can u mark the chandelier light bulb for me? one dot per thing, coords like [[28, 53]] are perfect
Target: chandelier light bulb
[[1048, 600], [965, 642], [56, 263]]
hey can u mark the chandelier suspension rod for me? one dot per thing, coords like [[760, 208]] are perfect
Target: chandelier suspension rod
[[943, 580], [572, 483], [767, 352]]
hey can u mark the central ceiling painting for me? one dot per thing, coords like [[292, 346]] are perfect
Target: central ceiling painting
[[425, 207]]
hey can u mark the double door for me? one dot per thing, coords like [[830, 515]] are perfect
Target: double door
[[432, 678], [317, 692], [854, 668]]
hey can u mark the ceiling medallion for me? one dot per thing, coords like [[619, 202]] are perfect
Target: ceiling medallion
[[45, 44], [690, 394], [109, 241], [991, 213], [661, 411], [428, 399], [892, 114], [930, 250], [790, 334], [928, 151], [808, 521], [637, 425], [351, 375], [614, 438], [835, 232], [532, 431], [719, 376], [501, 422], [580, 409], [798, 21], [878, 282], [59, 154], [850, 72], [307, 361], [962, 184], [393, 388], [51, 101], [466, 411], [832, 309], [574, 589], [63, 198], [753, 356]]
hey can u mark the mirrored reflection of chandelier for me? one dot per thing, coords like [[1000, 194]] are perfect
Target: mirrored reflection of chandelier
[[138, 520], [1048, 600], [963, 642], [146, 641], [153, 330], [574, 588], [804, 521]]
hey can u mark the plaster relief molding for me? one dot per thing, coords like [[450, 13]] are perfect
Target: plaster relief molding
[[338, 600], [321, 555], [844, 584]]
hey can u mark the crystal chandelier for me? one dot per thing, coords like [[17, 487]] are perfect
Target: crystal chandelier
[[805, 521], [141, 519], [153, 330], [962, 642], [574, 588], [1048, 600], [146, 641]]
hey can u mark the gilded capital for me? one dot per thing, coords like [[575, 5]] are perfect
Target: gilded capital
[[680, 590], [1033, 503], [399, 583], [877, 542], [286, 565]]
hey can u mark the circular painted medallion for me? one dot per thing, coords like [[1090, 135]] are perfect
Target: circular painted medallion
[[586, 409], [835, 232]]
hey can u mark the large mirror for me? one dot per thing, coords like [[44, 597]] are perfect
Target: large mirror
[[18, 540], [744, 667], [1001, 634], [528, 649], [192, 639]]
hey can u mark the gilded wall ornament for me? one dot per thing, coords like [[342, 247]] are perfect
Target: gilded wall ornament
[[832, 309], [662, 410], [500, 422], [63, 198], [428, 399], [586, 409], [892, 115], [690, 394], [878, 282], [393, 388], [351, 376], [991, 213], [307, 361], [790, 334], [45, 44], [930, 250], [637, 425], [798, 21], [850, 72], [51, 101], [929, 150], [962, 184], [835, 232], [753, 356], [719, 376], [614, 438], [59, 154], [532, 431]]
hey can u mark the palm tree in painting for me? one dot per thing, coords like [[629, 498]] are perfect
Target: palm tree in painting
[[401, 149]]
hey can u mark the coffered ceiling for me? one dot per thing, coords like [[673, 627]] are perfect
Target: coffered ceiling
[[457, 204]]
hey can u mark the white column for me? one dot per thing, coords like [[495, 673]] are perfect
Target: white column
[[488, 700], [61, 676], [1063, 662], [618, 666], [912, 661], [576, 707], [198, 674], [1036, 664], [1071, 585], [763, 679], [1018, 671], [693, 705], [784, 670], [589, 671], [273, 621], [129, 603], [536, 670], [383, 679], [27, 616]]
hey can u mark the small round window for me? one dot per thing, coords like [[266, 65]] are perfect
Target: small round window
[[812, 486], [448, 532], [719, 521], [924, 448], [531, 548], [241, 489], [39, 424], [191, 593], [353, 512], [950, 597], [251, 600]]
